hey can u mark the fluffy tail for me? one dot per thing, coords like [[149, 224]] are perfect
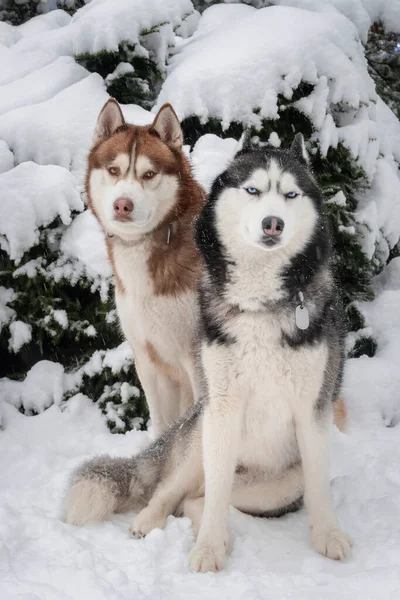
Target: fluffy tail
[[105, 485], [102, 486]]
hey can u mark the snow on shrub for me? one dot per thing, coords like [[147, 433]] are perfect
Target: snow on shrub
[[276, 70]]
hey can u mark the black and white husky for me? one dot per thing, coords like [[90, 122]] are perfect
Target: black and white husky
[[270, 363]]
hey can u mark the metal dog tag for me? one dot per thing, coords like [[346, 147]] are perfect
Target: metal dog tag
[[302, 315]]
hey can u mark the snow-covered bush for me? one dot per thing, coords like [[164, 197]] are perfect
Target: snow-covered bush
[[383, 55], [239, 71], [56, 287], [297, 66]]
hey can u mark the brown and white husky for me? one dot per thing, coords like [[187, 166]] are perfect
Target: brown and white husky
[[140, 187]]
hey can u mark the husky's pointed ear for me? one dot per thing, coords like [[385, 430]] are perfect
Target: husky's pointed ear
[[166, 125], [298, 149], [110, 118], [244, 143]]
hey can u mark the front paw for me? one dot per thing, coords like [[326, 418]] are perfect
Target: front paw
[[207, 557], [332, 542], [147, 520]]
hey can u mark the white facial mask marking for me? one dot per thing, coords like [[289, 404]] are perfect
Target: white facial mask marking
[[152, 199], [240, 214]]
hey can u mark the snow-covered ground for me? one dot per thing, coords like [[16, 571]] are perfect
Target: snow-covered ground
[[48, 107], [41, 558]]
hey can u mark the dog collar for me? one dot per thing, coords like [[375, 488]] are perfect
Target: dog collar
[[144, 237]]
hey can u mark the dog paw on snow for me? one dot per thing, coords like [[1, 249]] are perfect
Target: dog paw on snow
[[332, 542], [147, 520], [205, 558]]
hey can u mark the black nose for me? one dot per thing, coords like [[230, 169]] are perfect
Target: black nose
[[273, 226]]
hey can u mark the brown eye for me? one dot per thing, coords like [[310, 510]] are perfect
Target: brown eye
[[113, 171], [149, 175]]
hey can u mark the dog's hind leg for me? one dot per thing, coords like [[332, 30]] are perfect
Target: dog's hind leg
[[185, 478]]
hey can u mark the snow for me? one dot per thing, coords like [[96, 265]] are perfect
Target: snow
[[47, 382], [390, 125], [389, 279], [8, 35], [136, 114], [146, 24], [118, 358], [378, 396], [7, 295], [363, 13], [45, 558], [15, 65], [387, 11], [90, 331], [339, 199], [122, 69], [379, 211], [21, 333], [6, 157], [324, 45], [33, 196], [84, 241], [41, 85], [43, 23], [43, 386], [127, 391], [379, 207], [57, 131], [111, 23], [210, 156], [61, 317], [274, 140], [211, 75]]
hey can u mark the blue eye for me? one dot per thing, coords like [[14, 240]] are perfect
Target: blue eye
[[252, 191], [291, 195]]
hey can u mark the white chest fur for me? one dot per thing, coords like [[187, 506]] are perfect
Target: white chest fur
[[167, 322], [271, 381]]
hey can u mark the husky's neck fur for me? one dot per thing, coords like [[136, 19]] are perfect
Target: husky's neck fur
[[251, 289], [164, 232], [274, 280]]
